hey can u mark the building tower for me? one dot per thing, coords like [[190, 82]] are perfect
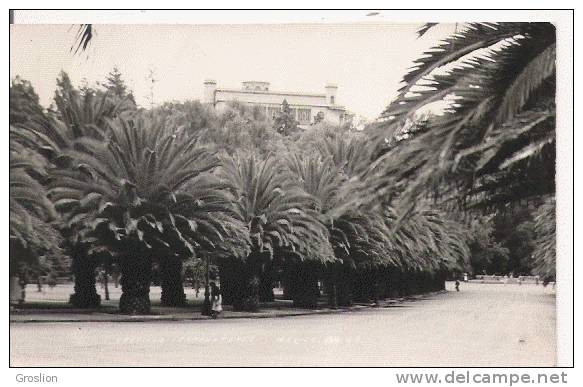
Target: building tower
[[331, 90], [210, 87]]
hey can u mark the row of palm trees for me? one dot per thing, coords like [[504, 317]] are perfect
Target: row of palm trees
[[493, 143], [130, 188], [370, 216]]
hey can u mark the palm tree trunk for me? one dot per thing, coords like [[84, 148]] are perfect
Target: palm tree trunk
[[233, 274], [287, 280], [440, 278], [403, 288], [83, 267], [344, 284], [106, 285], [266, 282], [171, 282], [136, 274], [364, 284], [394, 286], [382, 283], [228, 279], [251, 275], [305, 285]]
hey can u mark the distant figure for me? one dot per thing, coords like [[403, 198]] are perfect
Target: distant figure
[[39, 283], [22, 281], [52, 280], [105, 283], [216, 301], [457, 285], [196, 287]]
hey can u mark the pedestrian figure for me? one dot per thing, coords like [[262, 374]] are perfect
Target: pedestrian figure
[[457, 285], [39, 283], [104, 277], [22, 281], [52, 280], [216, 301]]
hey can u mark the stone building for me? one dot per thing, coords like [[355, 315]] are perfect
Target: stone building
[[305, 106]]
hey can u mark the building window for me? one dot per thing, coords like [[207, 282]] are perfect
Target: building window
[[331, 100], [304, 115]]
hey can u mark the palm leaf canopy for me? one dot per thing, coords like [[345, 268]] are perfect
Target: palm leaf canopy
[[356, 236], [31, 214], [426, 239], [485, 97], [280, 216], [145, 190], [545, 252], [78, 116]]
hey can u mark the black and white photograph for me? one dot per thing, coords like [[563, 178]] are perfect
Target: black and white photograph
[[290, 189]]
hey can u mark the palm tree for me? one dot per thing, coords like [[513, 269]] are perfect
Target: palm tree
[[545, 252], [357, 237], [83, 37], [475, 118], [33, 238], [383, 241], [427, 241], [78, 116], [145, 193], [282, 224]]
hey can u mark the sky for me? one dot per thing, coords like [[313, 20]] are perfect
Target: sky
[[366, 60]]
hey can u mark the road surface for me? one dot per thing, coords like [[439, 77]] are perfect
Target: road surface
[[482, 325]]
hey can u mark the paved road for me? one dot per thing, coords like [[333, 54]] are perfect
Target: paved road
[[483, 325]]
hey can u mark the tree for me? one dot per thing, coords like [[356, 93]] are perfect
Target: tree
[[116, 86], [373, 242], [34, 241], [514, 230], [281, 220], [285, 122], [77, 116], [193, 116], [495, 141], [319, 117], [237, 128], [24, 103], [356, 236], [487, 254], [545, 253], [430, 244], [144, 194]]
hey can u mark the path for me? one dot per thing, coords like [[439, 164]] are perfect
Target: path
[[483, 325]]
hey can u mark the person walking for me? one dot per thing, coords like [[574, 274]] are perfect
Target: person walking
[[216, 301], [457, 285]]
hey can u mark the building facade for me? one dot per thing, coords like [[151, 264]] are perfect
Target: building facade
[[305, 106]]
